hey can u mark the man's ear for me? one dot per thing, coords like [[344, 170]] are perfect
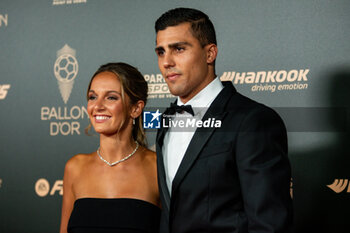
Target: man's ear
[[136, 109], [212, 52]]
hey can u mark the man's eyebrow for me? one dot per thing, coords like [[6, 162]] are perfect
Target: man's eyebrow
[[159, 48], [177, 44], [173, 45]]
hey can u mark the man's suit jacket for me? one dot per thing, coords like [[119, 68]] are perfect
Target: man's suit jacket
[[235, 178]]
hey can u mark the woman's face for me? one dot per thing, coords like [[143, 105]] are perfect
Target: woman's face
[[105, 106]]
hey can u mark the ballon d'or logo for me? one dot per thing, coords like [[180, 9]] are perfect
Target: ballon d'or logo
[[65, 70]]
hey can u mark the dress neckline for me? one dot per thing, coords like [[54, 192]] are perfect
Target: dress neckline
[[116, 199]]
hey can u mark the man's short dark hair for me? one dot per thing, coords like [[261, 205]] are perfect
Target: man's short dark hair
[[202, 27]]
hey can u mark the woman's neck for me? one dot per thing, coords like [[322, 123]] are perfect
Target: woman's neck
[[116, 147]]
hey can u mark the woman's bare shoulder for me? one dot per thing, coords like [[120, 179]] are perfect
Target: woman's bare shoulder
[[149, 154], [149, 158], [77, 161]]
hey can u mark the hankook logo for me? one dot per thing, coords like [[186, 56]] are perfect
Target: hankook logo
[[274, 80], [339, 185]]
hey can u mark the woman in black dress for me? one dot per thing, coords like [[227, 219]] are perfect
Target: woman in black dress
[[113, 189]]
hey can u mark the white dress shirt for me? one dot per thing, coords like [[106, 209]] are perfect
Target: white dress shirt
[[175, 141]]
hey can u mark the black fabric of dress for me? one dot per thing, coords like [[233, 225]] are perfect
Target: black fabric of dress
[[117, 215]]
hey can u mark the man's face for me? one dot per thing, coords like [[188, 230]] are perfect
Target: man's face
[[182, 61]]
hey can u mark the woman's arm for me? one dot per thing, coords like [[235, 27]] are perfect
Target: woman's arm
[[68, 195]]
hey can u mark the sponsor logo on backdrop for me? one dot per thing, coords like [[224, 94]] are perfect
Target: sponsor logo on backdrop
[[340, 185], [42, 187], [4, 20], [63, 119], [67, 2], [185, 122], [157, 87], [271, 81], [4, 88], [66, 70]]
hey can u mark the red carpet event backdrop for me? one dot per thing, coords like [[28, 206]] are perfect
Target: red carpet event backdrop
[[291, 55]]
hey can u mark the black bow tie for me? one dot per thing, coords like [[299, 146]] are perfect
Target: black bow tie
[[179, 109]]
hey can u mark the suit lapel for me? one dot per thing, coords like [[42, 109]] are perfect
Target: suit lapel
[[201, 136]]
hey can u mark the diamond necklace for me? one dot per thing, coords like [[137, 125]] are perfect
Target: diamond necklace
[[119, 161]]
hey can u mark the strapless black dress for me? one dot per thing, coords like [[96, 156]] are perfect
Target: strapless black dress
[[117, 215]]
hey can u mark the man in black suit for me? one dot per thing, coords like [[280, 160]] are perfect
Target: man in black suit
[[233, 177]]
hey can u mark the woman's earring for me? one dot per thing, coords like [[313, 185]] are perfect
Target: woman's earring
[[133, 121]]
